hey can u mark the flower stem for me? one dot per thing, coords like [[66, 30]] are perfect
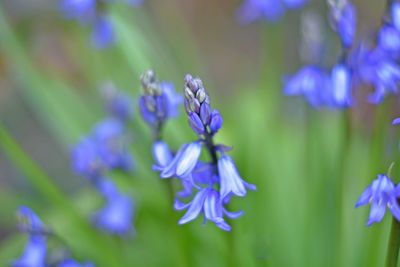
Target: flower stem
[[393, 245]]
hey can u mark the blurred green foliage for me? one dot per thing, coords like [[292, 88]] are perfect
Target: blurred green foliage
[[309, 166]]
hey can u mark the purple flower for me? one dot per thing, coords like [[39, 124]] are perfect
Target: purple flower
[[396, 121], [34, 254], [86, 160], [82, 10], [344, 22], [103, 33], [208, 202], [380, 194], [35, 251], [162, 154], [112, 144], [341, 86], [118, 103], [73, 263], [389, 39], [230, 180], [312, 82], [117, 214], [159, 101], [271, 10], [184, 161], [395, 12]]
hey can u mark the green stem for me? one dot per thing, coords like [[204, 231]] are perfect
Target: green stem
[[393, 245]]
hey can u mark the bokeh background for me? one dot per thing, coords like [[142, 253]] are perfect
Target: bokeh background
[[309, 165]]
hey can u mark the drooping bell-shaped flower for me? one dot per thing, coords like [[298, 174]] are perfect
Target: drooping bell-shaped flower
[[230, 180], [381, 194], [102, 33], [184, 161], [208, 202], [341, 86], [343, 15]]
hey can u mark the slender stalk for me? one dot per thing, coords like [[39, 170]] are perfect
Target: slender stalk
[[393, 245]]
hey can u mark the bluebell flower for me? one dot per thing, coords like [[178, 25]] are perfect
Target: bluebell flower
[[312, 82], [271, 10], [118, 104], [395, 12], [102, 33], [396, 121], [208, 202], [86, 159], [389, 39], [159, 102], [381, 194], [162, 155], [341, 86], [184, 161], [344, 22], [382, 72], [230, 180], [35, 251], [112, 144], [73, 263], [30, 222], [117, 215], [34, 254], [81, 10]]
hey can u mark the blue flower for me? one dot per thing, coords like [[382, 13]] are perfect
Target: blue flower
[[382, 72], [344, 22], [341, 86], [112, 144], [184, 161], [380, 194], [208, 202], [73, 263], [160, 102], [35, 251], [103, 33], [396, 121], [82, 10], [271, 10], [34, 254], [395, 12], [118, 103], [86, 160], [389, 39], [230, 180], [117, 214], [162, 155], [312, 82]]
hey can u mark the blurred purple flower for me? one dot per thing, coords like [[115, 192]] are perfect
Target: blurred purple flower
[[34, 254], [344, 18], [271, 10], [381, 194], [118, 104], [341, 86], [102, 33], [117, 215], [73, 263]]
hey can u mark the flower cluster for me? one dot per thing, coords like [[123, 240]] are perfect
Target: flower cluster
[[212, 183], [271, 10], [357, 65], [103, 150], [381, 194], [333, 88], [35, 252], [158, 103], [93, 13]]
